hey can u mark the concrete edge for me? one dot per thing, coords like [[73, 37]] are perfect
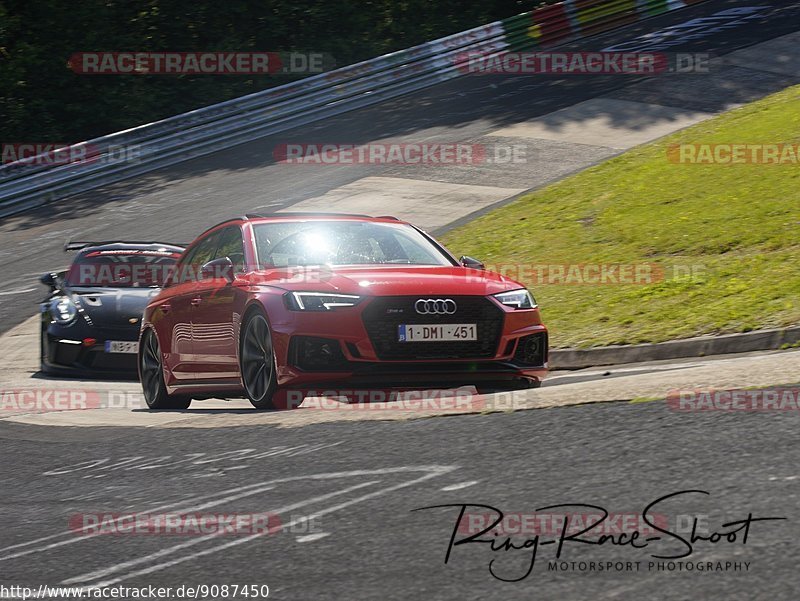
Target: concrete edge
[[759, 340]]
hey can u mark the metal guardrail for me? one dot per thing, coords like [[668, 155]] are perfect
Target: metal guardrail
[[32, 182]]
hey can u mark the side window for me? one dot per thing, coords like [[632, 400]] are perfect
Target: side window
[[201, 254], [182, 267], [232, 246]]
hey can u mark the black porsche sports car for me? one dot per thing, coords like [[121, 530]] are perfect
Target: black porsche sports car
[[92, 315]]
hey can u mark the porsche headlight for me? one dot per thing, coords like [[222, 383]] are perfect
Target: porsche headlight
[[320, 301], [63, 310], [519, 299]]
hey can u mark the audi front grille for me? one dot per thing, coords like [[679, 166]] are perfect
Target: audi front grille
[[384, 314]]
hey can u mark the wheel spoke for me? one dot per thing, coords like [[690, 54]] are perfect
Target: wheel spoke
[[263, 381], [260, 335], [260, 370], [152, 347], [149, 362], [249, 370], [249, 354], [255, 380], [153, 386], [251, 340]]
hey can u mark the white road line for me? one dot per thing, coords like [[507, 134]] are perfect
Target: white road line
[[102, 573], [307, 538], [434, 471], [18, 291], [71, 533], [460, 485], [78, 537], [72, 537]]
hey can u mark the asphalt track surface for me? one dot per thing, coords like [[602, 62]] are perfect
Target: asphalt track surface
[[355, 534], [346, 492]]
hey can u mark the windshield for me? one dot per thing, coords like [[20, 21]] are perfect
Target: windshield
[[294, 243], [122, 268]]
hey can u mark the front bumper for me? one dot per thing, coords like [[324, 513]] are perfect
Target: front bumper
[[63, 351], [348, 348]]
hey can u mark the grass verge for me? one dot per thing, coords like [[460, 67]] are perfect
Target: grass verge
[[727, 237]]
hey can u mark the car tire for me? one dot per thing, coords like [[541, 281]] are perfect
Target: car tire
[[257, 361], [151, 374]]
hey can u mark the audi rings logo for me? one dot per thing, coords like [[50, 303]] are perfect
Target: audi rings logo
[[435, 306]]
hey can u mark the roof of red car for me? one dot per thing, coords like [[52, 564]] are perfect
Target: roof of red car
[[313, 216], [320, 216]]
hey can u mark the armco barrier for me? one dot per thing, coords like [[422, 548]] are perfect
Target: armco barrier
[[31, 182], [702, 346]]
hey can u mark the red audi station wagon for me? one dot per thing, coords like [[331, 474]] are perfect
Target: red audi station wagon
[[263, 305]]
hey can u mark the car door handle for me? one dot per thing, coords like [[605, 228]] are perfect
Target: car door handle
[[196, 301]]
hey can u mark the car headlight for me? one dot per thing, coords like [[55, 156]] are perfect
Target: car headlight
[[63, 310], [320, 301], [519, 299]]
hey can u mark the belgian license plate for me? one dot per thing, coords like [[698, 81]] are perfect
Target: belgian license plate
[[121, 346], [449, 332]]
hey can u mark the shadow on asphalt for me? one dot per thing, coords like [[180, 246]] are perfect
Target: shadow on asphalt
[[40, 375], [209, 411]]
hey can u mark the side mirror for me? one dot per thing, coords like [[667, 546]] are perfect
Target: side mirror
[[218, 268], [49, 280], [471, 263]]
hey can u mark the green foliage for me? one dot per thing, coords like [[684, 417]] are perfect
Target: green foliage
[[42, 100]]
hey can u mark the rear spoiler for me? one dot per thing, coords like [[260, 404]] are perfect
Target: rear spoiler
[[70, 245]]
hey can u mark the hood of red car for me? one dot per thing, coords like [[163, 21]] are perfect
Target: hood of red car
[[388, 280]]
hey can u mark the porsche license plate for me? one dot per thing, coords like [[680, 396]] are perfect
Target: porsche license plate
[[121, 346]]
